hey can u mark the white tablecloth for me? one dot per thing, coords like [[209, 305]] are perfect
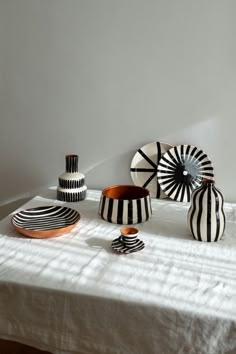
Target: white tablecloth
[[73, 293]]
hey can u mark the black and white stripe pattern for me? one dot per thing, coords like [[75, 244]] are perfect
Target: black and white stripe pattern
[[45, 218], [206, 218], [118, 246], [125, 212], [71, 183], [144, 165], [181, 170], [71, 196], [72, 162]]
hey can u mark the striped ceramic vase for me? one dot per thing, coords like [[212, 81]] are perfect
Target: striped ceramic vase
[[71, 183], [206, 218]]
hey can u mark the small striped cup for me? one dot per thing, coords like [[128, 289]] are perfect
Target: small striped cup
[[128, 236]]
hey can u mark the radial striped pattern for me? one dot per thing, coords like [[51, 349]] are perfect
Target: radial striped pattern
[[143, 168], [45, 218], [182, 169], [206, 218]]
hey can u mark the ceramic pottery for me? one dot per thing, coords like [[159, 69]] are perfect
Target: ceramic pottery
[[128, 241], [144, 165], [125, 204], [206, 218], [71, 183], [182, 169], [46, 221], [128, 236]]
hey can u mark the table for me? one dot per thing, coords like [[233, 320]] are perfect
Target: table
[[74, 294]]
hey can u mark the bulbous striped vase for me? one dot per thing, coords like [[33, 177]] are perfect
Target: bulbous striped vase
[[206, 218]]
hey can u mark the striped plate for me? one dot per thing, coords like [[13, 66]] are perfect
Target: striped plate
[[45, 221], [143, 167], [119, 246], [182, 169]]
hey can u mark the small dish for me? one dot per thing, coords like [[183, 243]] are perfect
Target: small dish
[[46, 221], [144, 165], [119, 246]]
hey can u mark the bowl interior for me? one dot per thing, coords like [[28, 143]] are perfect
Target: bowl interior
[[125, 192]]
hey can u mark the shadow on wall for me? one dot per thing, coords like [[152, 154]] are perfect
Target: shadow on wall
[[110, 171]]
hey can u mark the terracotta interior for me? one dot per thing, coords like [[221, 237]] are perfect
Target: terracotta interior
[[71, 155], [128, 231], [210, 181], [125, 192]]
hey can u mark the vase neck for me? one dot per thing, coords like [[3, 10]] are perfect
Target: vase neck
[[208, 182], [72, 163]]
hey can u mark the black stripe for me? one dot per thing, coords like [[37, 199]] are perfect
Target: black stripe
[[130, 212], [200, 208], [217, 214], [193, 151], [110, 208], [103, 205], [204, 156], [222, 210], [149, 179], [206, 163], [147, 158], [72, 163], [178, 191], [182, 153], [146, 208], [192, 212], [139, 211], [175, 185], [183, 193], [132, 169], [187, 150], [170, 168], [168, 162], [158, 152], [120, 211], [208, 174], [177, 156], [208, 213], [188, 190], [172, 158], [200, 152], [168, 177], [158, 193]]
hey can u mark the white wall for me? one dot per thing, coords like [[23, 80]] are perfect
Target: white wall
[[101, 78]]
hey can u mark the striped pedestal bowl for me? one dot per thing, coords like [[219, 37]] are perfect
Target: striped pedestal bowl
[[125, 204]]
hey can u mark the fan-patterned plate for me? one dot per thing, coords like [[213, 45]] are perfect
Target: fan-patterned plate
[[182, 169], [45, 221], [143, 168]]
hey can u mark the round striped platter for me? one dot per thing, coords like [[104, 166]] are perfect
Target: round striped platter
[[182, 169], [144, 165], [45, 221]]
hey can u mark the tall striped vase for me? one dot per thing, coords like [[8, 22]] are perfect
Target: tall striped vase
[[206, 218], [71, 183]]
